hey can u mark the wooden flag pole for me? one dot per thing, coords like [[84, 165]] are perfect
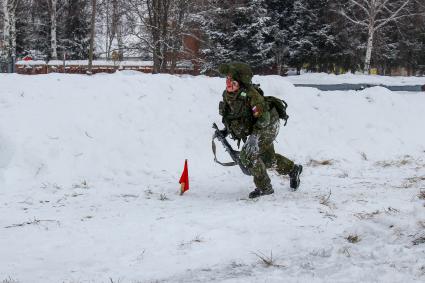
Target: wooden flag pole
[[182, 185]]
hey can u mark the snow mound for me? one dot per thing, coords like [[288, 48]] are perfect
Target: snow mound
[[129, 125], [348, 78], [89, 167]]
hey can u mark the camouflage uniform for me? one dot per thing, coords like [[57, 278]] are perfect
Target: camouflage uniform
[[258, 133]]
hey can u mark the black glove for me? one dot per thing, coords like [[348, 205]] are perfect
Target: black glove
[[223, 132]]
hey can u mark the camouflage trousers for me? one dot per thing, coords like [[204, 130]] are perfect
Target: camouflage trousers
[[258, 155]]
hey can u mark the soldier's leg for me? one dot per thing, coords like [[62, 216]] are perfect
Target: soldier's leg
[[279, 163], [261, 178], [268, 156], [250, 158], [258, 154], [271, 159], [283, 165]]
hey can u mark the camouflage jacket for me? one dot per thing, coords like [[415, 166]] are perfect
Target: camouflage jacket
[[245, 112]]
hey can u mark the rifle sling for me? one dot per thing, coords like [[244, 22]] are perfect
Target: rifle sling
[[214, 149]]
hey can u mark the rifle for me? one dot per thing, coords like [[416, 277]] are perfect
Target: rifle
[[234, 154]]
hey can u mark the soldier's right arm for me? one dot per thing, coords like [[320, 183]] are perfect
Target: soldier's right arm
[[222, 110], [259, 108], [223, 106]]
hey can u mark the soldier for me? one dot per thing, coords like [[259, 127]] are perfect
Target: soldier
[[249, 118]]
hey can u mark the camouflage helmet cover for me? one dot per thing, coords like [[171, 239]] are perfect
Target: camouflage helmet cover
[[239, 71]]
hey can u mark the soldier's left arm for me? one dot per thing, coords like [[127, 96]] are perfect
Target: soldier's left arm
[[259, 108]]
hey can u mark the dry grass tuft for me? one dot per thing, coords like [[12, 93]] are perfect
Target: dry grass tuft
[[353, 239], [345, 251], [395, 163], [413, 181], [33, 222], [421, 194], [163, 197], [422, 270], [420, 240], [268, 261], [316, 163], [197, 239], [367, 215], [82, 185], [391, 210], [325, 200]]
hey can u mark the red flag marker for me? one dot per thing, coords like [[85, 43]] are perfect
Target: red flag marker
[[184, 179]]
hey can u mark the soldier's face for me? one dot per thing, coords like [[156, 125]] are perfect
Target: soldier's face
[[231, 85]]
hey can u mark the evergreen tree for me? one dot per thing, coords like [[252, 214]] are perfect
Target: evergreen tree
[[348, 52], [324, 38], [401, 45], [278, 25], [37, 37], [236, 32], [33, 27], [310, 35], [321, 35], [301, 41], [74, 29]]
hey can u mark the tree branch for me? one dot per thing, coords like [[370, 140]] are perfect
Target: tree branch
[[366, 10], [357, 22]]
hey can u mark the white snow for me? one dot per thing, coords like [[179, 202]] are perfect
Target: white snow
[[30, 63], [86, 62], [323, 78], [89, 165]]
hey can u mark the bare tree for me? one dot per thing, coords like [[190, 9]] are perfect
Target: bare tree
[[158, 13], [372, 15], [114, 25], [9, 28], [52, 4], [179, 12], [136, 13], [6, 29], [149, 20], [92, 32], [160, 26]]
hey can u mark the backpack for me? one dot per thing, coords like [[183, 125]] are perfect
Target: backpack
[[279, 104]]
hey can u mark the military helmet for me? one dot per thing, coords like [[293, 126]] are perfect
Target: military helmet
[[239, 71]]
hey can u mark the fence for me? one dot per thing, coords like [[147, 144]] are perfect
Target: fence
[[81, 67]]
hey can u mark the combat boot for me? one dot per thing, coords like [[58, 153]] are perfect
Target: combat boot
[[259, 192], [294, 176]]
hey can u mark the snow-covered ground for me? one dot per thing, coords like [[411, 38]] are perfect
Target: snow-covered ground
[[323, 78], [89, 170]]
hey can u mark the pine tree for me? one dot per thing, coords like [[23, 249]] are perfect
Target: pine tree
[[236, 32], [401, 45], [301, 45], [74, 29], [310, 35], [278, 24], [36, 32]]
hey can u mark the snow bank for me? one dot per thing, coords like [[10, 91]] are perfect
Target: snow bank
[[89, 168], [30, 63], [133, 125], [323, 78]]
